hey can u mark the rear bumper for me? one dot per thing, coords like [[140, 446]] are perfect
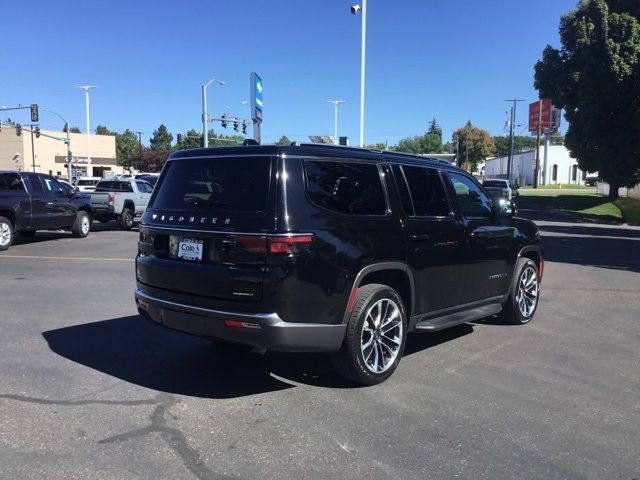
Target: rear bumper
[[102, 210], [262, 330]]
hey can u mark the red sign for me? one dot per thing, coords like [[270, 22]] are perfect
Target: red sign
[[534, 115]]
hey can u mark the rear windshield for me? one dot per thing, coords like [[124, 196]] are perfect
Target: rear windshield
[[495, 183], [114, 187], [87, 182], [216, 184], [11, 181]]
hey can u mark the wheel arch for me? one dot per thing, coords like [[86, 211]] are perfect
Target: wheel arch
[[534, 253], [396, 275], [10, 216], [130, 205]]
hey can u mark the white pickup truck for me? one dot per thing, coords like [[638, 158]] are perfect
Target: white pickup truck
[[120, 200]]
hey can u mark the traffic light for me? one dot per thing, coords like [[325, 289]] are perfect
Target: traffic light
[[69, 156], [34, 112], [18, 129], [235, 126], [37, 132], [224, 120], [179, 136], [244, 128]]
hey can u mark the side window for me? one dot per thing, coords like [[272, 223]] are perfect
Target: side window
[[51, 185], [141, 187], [345, 187], [472, 200], [35, 187], [403, 189], [11, 181], [427, 192]]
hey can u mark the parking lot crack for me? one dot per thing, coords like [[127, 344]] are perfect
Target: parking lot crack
[[176, 439], [73, 403]]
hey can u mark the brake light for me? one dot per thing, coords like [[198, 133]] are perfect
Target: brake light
[[289, 244], [110, 198]]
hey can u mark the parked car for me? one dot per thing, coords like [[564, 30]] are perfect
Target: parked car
[[315, 248], [592, 180], [87, 184], [34, 201], [120, 200], [510, 187], [500, 197], [152, 179]]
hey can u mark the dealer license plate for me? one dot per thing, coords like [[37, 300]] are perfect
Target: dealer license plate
[[187, 248]]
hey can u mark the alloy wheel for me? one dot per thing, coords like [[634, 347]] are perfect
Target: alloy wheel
[[5, 234], [381, 335], [527, 296]]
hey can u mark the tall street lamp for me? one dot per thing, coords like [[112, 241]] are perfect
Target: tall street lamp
[[205, 120], [86, 89], [363, 47], [66, 124], [335, 118]]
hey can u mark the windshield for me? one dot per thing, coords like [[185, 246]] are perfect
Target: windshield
[[216, 184]]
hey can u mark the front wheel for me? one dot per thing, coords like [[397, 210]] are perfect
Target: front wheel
[[6, 233], [375, 338], [82, 225], [524, 294]]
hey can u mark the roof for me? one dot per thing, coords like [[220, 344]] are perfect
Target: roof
[[314, 150]]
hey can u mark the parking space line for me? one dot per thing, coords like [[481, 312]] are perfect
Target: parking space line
[[38, 257]]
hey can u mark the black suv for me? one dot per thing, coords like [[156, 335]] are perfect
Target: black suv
[[34, 201], [311, 248]]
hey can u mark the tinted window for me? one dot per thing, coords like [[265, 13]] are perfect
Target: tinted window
[[427, 192], [87, 183], [34, 184], [403, 189], [472, 200], [51, 185], [141, 187], [495, 183], [216, 184], [11, 181], [350, 188], [114, 187]]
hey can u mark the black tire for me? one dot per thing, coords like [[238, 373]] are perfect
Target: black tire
[[82, 226], [514, 311], [27, 233], [6, 233], [350, 360], [126, 219]]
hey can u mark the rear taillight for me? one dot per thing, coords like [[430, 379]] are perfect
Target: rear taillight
[[287, 244], [110, 198]]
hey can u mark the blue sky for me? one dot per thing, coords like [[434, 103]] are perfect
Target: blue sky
[[452, 60]]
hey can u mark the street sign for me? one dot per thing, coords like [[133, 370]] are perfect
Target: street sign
[[34, 112], [256, 98], [535, 114]]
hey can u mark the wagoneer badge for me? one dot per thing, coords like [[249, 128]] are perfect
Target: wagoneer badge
[[202, 220]]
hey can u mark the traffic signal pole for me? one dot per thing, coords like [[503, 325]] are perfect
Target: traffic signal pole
[[538, 131]]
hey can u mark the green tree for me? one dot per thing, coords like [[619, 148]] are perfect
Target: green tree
[[376, 146], [73, 129], [127, 148], [427, 143], [8, 121], [161, 139], [520, 143], [595, 78], [475, 145], [192, 139], [434, 128], [102, 130], [284, 141]]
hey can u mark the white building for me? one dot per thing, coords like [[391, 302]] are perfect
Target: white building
[[560, 167]]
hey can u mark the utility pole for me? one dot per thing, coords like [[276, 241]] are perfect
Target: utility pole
[[140, 144], [538, 131], [466, 146], [511, 139]]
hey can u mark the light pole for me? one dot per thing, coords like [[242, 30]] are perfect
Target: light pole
[[68, 142], [363, 48], [86, 89], [335, 118], [205, 133], [245, 103]]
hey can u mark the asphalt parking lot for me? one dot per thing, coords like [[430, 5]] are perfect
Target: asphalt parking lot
[[88, 390]]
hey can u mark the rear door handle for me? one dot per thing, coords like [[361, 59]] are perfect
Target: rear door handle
[[420, 238]]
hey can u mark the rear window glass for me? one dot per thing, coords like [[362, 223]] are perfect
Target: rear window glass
[[216, 184], [114, 187], [494, 183], [344, 187], [11, 181], [86, 183]]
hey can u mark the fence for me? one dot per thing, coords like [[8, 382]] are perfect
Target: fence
[[634, 192]]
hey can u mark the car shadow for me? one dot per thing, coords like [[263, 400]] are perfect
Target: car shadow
[[140, 352]]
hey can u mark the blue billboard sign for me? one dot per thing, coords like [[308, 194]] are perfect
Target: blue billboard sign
[[256, 97]]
